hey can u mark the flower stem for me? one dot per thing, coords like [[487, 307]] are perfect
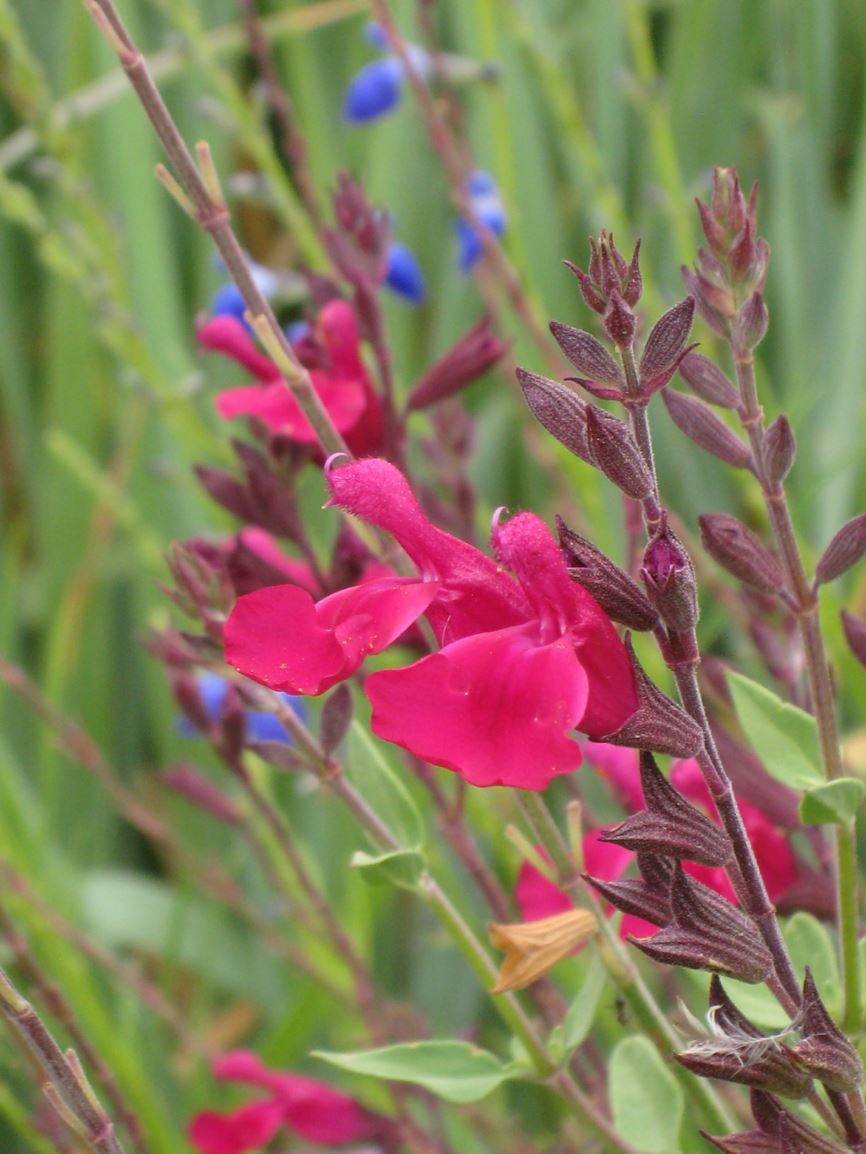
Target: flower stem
[[820, 683]]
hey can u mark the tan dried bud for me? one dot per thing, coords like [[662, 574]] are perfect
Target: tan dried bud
[[533, 948]]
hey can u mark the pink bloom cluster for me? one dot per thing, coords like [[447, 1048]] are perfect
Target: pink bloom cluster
[[332, 355], [526, 655], [310, 1109]]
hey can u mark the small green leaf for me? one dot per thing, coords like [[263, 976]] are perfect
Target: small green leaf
[[581, 1013], [455, 1071], [811, 944], [645, 1097], [834, 802], [783, 736], [367, 768], [403, 867]]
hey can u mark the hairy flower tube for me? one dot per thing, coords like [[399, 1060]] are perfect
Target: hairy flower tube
[[332, 355], [310, 1109], [527, 656]]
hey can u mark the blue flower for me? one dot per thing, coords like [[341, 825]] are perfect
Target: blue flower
[[228, 302], [296, 331], [375, 90], [487, 204], [404, 275], [260, 726]]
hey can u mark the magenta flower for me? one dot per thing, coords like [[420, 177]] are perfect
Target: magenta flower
[[525, 659], [538, 897], [311, 1109], [774, 854], [333, 357]]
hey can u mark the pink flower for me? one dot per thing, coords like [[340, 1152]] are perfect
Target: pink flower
[[538, 897], [774, 854], [310, 1109], [525, 659], [336, 369]]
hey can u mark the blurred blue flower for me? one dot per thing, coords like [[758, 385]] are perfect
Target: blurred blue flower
[[228, 302], [377, 89], [260, 726], [487, 204], [296, 331], [404, 275]]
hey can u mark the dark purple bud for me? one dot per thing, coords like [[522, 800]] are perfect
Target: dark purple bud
[[670, 825], [701, 425], [772, 1119], [845, 550], [227, 491], [707, 932], [647, 897], [248, 570], [752, 322], [279, 755], [469, 358], [186, 781], [855, 634], [718, 318], [728, 203], [559, 409], [658, 724], [619, 596], [744, 1142], [589, 356], [708, 381], [670, 582], [592, 295], [743, 253], [632, 284], [189, 700], [824, 1051], [619, 321], [616, 453], [666, 343], [336, 717], [716, 234], [741, 552], [779, 450], [232, 725]]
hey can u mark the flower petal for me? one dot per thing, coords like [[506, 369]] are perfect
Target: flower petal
[[229, 336], [476, 594], [279, 637], [495, 708], [248, 1128]]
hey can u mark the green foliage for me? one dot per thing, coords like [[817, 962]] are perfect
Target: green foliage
[[783, 736], [645, 1098]]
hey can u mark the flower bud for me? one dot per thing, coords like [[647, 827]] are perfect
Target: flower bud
[[707, 932], [670, 581], [855, 634], [619, 321], [752, 322], [845, 550], [189, 699], [186, 781], [658, 724], [707, 380], [669, 826], [743, 1054], [232, 725], [608, 273], [715, 308], [666, 346], [619, 596], [532, 948], [589, 356], [741, 552], [469, 358], [825, 1052], [616, 453], [775, 1121], [728, 204], [647, 897], [335, 718], [227, 491], [779, 450], [559, 409], [701, 425]]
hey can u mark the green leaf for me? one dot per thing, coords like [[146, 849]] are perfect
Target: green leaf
[[581, 1013], [455, 1071], [403, 867], [645, 1097], [811, 944], [367, 768], [834, 802], [783, 736]]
